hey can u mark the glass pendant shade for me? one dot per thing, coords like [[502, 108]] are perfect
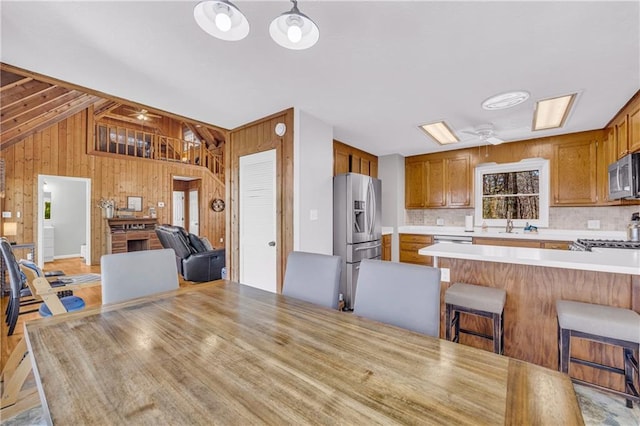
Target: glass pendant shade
[[221, 19], [294, 30]]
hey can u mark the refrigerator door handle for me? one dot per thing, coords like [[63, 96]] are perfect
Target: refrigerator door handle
[[374, 206], [368, 247]]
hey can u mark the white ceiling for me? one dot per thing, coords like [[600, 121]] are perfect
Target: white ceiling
[[379, 70]]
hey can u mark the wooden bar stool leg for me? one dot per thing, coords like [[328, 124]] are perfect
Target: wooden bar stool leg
[[456, 320]]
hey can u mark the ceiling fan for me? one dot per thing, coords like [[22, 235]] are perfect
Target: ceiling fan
[[142, 114], [486, 134]]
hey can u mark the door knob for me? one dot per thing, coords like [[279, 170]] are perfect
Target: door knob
[[272, 243]]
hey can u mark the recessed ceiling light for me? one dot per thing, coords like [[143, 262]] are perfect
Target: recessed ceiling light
[[552, 113], [505, 100], [440, 132]]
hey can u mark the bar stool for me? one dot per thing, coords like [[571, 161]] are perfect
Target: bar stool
[[478, 300], [604, 324]]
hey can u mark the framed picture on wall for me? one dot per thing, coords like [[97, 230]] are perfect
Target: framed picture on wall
[[134, 203]]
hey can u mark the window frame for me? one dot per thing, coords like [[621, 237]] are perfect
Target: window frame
[[529, 164]]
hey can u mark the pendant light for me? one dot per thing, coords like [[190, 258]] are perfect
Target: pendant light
[[294, 30], [222, 19]]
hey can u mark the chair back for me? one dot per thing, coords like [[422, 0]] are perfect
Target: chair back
[[15, 278], [136, 274], [313, 277], [399, 294]]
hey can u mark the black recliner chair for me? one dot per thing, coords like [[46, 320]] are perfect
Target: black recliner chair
[[195, 262]]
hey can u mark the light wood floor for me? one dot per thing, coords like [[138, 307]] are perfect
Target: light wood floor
[[92, 297]]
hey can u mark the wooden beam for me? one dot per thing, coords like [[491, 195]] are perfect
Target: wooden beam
[[15, 84], [16, 94], [105, 109], [32, 102], [50, 80], [54, 116], [41, 110]]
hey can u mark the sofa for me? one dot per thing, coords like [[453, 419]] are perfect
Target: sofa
[[195, 258]]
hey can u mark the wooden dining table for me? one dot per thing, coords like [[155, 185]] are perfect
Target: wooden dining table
[[226, 353]]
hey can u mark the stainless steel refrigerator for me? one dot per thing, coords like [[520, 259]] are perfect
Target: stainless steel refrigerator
[[357, 233]]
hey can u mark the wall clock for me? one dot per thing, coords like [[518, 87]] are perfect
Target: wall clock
[[217, 205]]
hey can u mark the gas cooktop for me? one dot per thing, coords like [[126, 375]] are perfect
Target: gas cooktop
[[587, 245]]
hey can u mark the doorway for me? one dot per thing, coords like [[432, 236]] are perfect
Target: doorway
[[66, 214], [185, 206]]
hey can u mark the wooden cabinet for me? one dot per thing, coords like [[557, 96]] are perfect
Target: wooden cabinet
[[438, 181], [349, 159], [386, 247], [574, 173], [621, 128], [509, 242], [506, 242], [555, 245], [415, 184], [460, 183], [634, 129], [409, 246]]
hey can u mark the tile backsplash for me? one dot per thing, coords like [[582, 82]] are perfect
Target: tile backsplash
[[611, 218]]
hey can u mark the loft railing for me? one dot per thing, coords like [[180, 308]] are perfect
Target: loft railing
[[139, 144]]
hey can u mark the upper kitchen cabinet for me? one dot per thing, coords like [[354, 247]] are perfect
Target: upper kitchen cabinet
[[634, 128], [574, 173], [438, 181], [621, 132], [348, 159]]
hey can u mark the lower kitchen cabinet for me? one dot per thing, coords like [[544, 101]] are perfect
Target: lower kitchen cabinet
[[508, 242], [386, 247], [409, 246]]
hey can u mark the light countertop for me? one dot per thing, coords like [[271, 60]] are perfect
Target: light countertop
[[602, 260], [517, 234], [387, 230]]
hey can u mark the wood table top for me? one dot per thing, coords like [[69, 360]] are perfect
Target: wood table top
[[224, 353]]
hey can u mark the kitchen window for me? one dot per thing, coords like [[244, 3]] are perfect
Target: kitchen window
[[517, 191]]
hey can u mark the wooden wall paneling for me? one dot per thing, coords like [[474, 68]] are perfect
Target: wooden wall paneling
[[257, 137], [30, 187]]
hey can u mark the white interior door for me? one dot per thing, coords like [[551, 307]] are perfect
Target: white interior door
[[178, 208], [194, 214], [258, 220]]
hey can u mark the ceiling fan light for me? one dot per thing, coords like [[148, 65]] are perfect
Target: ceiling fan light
[[286, 28], [221, 19], [440, 132], [552, 113]]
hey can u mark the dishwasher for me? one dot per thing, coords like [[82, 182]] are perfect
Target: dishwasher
[[452, 239]]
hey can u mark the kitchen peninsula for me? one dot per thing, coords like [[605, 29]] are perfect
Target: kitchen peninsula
[[534, 279]]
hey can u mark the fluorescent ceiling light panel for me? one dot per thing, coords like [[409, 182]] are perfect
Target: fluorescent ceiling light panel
[[552, 113], [440, 132]]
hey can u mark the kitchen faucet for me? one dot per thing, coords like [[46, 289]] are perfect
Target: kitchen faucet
[[509, 226]]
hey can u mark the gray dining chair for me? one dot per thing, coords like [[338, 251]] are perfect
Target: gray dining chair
[[136, 274], [399, 294], [313, 277]]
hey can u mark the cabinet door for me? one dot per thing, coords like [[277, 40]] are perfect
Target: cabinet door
[[622, 136], [414, 184], [354, 163], [436, 193], [374, 168], [574, 173], [365, 167], [386, 247], [409, 246], [340, 162], [634, 130], [459, 181]]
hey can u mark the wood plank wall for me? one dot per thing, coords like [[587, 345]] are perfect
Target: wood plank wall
[[61, 150], [252, 138]]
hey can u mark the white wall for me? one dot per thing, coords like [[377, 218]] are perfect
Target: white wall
[[312, 171], [391, 172], [68, 215]]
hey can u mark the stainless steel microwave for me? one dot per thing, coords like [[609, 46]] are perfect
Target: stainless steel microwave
[[624, 177]]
